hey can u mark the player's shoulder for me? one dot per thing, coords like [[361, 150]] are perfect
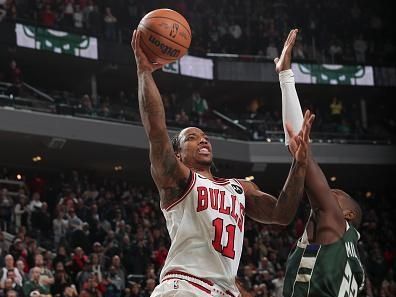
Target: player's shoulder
[[247, 184]]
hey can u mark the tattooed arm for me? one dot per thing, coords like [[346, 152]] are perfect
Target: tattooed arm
[[265, 208], [169, 174]]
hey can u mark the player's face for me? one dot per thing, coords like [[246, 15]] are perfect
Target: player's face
[[195, 148]]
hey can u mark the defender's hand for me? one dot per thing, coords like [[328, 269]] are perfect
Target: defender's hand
[[142, 62], [299, 144], [284, 62]]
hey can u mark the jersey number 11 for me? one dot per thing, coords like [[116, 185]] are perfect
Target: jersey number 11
[[228, 250]]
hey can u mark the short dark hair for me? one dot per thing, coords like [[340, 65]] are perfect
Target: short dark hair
[[353, 205], [176, 142]]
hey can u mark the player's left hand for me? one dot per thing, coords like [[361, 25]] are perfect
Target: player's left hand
[[299, 143], [284, 62], [142, 62]]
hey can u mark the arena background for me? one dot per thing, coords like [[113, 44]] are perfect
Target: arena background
[[70, 131]]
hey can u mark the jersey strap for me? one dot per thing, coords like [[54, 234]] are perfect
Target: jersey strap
[[188, 189], [305, 270]]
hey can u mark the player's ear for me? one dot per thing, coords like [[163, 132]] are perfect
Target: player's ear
[[178, 155], [348, 214]]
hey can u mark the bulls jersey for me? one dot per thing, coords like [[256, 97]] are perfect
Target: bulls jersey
[[206, 227]]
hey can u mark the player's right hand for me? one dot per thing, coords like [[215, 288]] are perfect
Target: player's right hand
[[142, 62], [284, 62], [299, 144]]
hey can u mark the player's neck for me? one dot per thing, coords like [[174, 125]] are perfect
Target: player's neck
[[204, 172]]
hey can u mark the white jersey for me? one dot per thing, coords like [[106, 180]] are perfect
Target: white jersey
[[206, 227]]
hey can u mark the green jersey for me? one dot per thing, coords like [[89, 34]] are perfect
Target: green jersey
[[331, 270]]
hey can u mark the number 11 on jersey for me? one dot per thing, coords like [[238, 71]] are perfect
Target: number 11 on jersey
[[228, 250]]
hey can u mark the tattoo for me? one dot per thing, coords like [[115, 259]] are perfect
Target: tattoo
[[171, 194], [291, 194]]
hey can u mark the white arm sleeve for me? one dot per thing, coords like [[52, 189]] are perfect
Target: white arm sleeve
[[291, 108]]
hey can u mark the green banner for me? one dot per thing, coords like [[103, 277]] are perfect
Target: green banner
[[56, 41], [333, 74]]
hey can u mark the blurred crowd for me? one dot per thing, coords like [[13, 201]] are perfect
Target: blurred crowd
[[331, 31], [255, 118], [80, 235]]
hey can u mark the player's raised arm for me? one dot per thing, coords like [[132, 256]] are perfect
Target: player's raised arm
[[316, 186], [169, 174], [266, 208]]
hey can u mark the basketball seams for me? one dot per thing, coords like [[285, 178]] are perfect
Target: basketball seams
[[164, 17], [151, 30], [154, 53]]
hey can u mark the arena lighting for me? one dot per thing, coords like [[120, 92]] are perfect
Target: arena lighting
[[369, 194], [118, 168], [19, 177], [268, 139], [36, 159], [333, 178], [249, 178]]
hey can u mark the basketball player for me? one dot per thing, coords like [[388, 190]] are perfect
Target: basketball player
[[326, 260], [205, 215]]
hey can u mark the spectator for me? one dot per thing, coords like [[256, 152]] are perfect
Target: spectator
[[9, 267], [93, 19], [68, 12], [78, 17], [360, 46], [11, 284], [21, 269], [96, 266], [199, 107], [34, 207], [3, 245], [278, 283], [119, 270], [44, 224], [33, 284], [110, 25], [336, 110], [21, 212], [114, 283], [48, 16], [93, 287], [6, 206], [85, 106], [74, 222], [150, 285], [182, 118], [46, 278], [335, 51], [59, 227]]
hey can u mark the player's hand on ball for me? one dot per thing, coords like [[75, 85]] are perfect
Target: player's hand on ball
[[284, 62], [142, 63], [299, 143]]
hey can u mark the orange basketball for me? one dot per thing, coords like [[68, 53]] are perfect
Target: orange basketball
[[165, 35]]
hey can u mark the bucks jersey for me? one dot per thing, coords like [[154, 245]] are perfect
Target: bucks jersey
[[206, 227], [332, 270]]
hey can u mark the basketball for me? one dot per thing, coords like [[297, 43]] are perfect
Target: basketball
[[165, 35]]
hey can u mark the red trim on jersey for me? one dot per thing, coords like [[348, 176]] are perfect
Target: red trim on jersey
[[189, 188], [239, 183], [191, 283], [206, 281], [216, 180]]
